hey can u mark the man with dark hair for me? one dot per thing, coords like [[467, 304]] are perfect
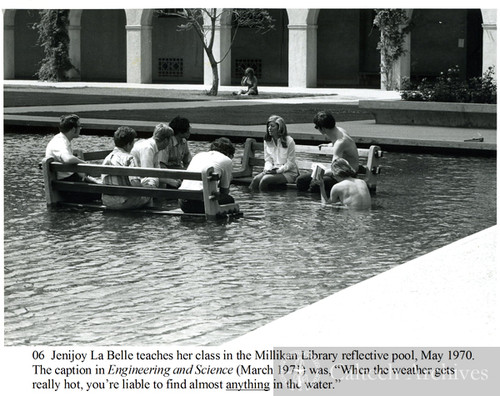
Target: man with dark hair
[[60, 149], [220, 158], [124, 141], [343, 147], [177, 154]]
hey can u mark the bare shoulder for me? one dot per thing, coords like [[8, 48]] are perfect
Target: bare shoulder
[[343, 146], [341, 185], [361, 183], [341, 130]]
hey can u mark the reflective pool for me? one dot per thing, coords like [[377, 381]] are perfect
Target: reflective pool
[[82, 277]]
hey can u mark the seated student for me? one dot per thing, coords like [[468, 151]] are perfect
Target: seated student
[[249, 81], [343, 147], [60, 149], [177, 154], [146, 151], [220, 158], [348, 191], [124, 141], [280, 167]]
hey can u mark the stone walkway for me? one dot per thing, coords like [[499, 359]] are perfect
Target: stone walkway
[[364, 132]]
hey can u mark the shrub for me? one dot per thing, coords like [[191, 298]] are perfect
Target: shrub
[[449, 87], [54, 39], [484, 89]]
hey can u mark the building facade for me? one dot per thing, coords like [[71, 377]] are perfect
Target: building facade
[[307, 47]]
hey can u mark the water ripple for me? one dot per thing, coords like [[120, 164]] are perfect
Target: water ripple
[[122, 278]]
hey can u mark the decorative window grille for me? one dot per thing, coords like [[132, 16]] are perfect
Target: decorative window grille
[[241, 64], [170, 67]]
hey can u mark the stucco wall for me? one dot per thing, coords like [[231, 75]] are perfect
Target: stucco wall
[[27, 53], [271, 48], [170, 43], [103, 45], [435, 41], [338, 47]]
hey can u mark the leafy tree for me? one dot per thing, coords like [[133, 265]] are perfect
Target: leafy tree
[[53, 37], [195, 18], [394, 25]]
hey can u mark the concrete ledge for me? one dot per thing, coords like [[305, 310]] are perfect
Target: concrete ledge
[[365, 133], [448, 297], [463, 115]]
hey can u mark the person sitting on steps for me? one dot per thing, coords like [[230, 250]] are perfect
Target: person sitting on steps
[[249, 81]]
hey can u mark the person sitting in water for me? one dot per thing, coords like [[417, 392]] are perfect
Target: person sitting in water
[[349, 191], [177, 154], [249, 81], [60, 149], [280, 167], [343, 147], [120, 156], [220, 158], [146, 151]]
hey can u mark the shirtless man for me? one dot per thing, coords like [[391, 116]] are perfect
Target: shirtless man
[[343, 147], [349, 191]]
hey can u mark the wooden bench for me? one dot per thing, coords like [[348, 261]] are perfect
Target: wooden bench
[[207, 176], [369, 160]]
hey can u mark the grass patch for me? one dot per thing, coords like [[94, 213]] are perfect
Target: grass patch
[[231, 115], [21, 97]]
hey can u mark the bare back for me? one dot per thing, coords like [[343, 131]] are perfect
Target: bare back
[[352, 193], [344, 147]]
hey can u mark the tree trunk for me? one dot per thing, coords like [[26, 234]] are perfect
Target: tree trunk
[[215, 80], [215, 74]]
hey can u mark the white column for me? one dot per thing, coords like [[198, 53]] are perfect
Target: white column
[[401, 68], [75, 51], [8, 52], [221, 47], [490, 46], [302, 55], [139, 54], [225, 65]]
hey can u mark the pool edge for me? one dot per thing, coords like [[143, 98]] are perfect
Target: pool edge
[[444, 298]]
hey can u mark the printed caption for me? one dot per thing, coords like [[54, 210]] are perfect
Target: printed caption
[[287, 370]]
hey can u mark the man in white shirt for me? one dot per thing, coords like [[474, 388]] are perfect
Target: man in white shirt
[[60, 149], [220, 158], [145, 151]]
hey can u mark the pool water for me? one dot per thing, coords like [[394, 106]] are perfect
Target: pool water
[[92, 277]]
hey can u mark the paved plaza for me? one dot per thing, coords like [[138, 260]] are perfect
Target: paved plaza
[[365, 132]]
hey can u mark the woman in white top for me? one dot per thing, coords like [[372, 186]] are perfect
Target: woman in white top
[[280, 167]]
